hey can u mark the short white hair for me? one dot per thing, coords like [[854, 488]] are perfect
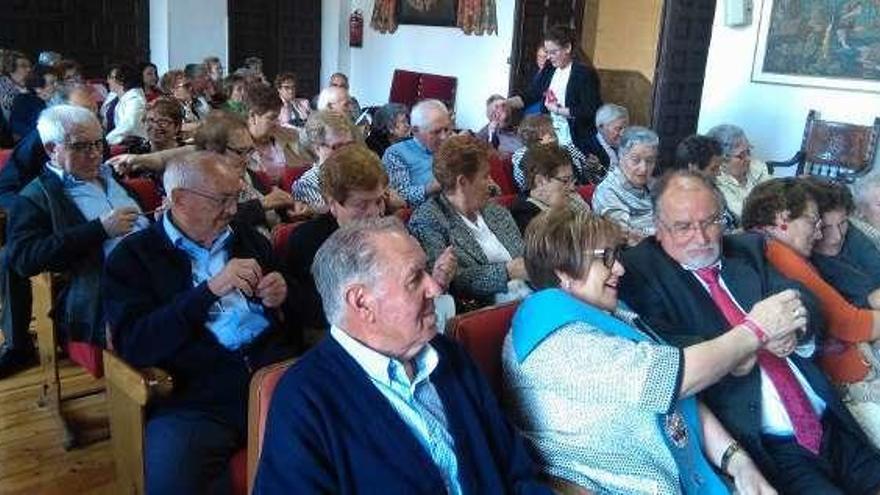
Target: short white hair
[[328, 95], [189, 171], [57, 122], [421, 112], [610, 112]]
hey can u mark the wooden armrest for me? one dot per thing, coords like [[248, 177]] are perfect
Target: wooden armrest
[[797, 159], [139, 385], [564, 487]]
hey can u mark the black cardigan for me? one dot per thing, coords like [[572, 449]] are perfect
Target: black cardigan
[[582, 98]]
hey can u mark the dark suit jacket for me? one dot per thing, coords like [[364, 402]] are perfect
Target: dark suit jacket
[[674, 303], [302, 246], [23, 165], [582, 97]]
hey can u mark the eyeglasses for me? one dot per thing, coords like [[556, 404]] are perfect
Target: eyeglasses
[[336, 146], [85, 146], [565, 179], [684, 230], [224, 201], [814, 221], [608, 255], [743, 154], [160, 122], [242, 151]]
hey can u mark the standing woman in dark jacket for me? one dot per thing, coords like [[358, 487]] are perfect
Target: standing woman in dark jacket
[[568, 89]]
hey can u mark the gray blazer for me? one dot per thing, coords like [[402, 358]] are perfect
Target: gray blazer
[[437, 224]]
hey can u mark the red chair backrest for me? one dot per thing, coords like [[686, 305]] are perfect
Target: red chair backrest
[[260, 397], [404, 87], [438, 87], [291, 175], [118, 149], [280, 235], [403, 214], [146, 191], [586, 192], [482, 334], [501, 170], [505, 200], [4, 157]]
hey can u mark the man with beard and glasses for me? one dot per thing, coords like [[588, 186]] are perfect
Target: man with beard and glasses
[[691, 284]]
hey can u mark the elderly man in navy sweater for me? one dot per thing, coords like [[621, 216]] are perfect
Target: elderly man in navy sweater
[[384, 404], [197, 297]]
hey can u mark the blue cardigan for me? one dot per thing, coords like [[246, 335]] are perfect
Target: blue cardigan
[[330, 431]]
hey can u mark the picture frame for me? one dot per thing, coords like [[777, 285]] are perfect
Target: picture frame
[[427, 12], [810, 43]]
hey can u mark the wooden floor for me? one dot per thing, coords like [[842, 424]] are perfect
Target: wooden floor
[[32, 459]]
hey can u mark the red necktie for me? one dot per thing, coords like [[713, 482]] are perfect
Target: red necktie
[[807, 428]]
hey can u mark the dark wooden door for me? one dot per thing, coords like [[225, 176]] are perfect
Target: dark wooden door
[[532, 17], [286, 34], [681, 67], [95, 33]]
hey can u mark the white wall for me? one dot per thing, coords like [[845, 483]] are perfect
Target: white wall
[[186, 31], [772, 115], [479, 62]]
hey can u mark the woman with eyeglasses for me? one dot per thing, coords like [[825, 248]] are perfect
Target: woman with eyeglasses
[[14, 69], [740, 173], [538, 129], [567, 88], [786, 211], [551, 184], [176, 84], [605, 403]]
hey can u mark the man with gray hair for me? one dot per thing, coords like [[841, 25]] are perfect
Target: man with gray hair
[[498, 133], [335, 99], [68, 219], [385, 403], [690, 283], [611, 121], [410, 163], [198, 298]]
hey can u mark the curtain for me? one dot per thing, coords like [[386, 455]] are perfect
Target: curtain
[[385, 16], [475, 17]]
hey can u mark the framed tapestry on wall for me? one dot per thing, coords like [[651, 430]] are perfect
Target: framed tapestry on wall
[[427, 12], [819, 43]]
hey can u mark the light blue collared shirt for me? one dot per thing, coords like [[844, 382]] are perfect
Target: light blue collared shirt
[[416, 401], [233, 319], [94, 198]]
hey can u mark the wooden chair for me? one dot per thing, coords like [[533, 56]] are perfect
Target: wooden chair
[[261, 389], [129, 393], [482, 334], [45, 288], [834, 150]]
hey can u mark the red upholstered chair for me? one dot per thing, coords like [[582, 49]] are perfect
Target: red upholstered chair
[[280, 235], [482, 333], [118, 149], [262, 387], [145, 189], [505, 200], [586, 192], [88, 356], [403, 214], [404, 87], [438, 87], [4, 155], [291, 175], [501, 170]]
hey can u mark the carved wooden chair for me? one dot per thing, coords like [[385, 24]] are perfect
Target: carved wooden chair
[[131, 390], [834, 150], [482, 334], [45, 289]]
